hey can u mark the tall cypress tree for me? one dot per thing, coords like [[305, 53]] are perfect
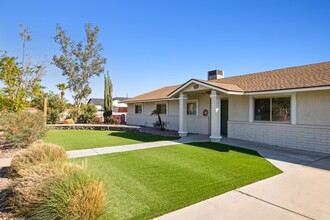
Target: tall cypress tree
[[107, 95]]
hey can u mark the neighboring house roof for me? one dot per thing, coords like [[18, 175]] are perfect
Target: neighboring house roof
[[96, 101], [307, 76], [116, 100]]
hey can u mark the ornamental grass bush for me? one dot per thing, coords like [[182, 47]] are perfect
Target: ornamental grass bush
[[37, 153], [57, 191], [22, 128], [30, 188]]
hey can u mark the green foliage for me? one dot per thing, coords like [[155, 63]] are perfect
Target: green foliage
[[62, 87], [160, 123], [147, 183], [107, 94], [14, 96], [55, 106], [79, 62], [107, 114], [90, 112], [21, 80], [23, 128], [37, 153], [113, 120]]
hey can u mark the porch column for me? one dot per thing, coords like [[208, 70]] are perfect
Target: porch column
[[215, 117], [183, 115]]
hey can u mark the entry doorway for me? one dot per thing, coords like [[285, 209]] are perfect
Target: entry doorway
[[224, 117]]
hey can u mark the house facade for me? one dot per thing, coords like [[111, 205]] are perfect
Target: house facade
[[287, 107]]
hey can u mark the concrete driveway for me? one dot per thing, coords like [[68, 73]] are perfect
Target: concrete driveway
[[302, 191]]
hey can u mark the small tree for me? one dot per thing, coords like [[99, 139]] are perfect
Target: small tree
[[79, 62], [21, 80], [56, 106], [19, 85], [107, 96], [160, 123]]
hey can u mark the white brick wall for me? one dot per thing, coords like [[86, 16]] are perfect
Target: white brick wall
[[305, 137], [147, 120]]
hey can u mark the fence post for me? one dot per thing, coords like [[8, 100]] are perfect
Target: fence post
[[45, 111]]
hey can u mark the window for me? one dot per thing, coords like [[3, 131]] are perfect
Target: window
[[192, 108], [281, 110], [161, 108], [138, 109], [262, 110], [272, 109]]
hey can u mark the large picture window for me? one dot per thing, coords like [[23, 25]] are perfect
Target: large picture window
[[272, 109], [161, 108], [192, 108], [138, 109]]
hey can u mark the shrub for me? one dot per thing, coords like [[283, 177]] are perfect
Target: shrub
[[69, 121], [56, 106], [60, 191], [23, 128], [30, 189], [114, 119], [35, 154], [90, 112], [73, 196], [161, 125], [97, 120]]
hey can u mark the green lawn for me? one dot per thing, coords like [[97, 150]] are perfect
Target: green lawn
[[143, 184], [84, 139]]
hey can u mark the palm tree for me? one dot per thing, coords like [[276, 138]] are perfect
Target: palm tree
[[62, 87], [161, 124]]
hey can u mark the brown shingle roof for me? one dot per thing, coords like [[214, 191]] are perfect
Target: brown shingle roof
[[313, 75], [153, 95]]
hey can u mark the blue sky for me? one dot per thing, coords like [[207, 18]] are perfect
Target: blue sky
[[151, 43]]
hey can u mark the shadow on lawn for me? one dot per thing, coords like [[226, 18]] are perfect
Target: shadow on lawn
[[143, 137], [224, 148]]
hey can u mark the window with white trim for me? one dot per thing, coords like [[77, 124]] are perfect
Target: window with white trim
[[276, 109], [138, 109], [192, 108], [162, 107]]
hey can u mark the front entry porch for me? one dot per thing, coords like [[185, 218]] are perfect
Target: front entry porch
[[213, 110]]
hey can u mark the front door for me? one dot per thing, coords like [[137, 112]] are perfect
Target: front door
[[224, 117]]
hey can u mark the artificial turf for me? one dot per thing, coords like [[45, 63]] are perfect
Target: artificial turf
[[85, 139], [144, 184]]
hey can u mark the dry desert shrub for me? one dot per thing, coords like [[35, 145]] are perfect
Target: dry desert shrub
[[37, 153], [31, 188], [69, 121]]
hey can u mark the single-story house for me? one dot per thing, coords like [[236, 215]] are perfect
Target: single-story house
[[287, 107]]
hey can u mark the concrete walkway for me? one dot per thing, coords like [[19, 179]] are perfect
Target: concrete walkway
[[122, 148], [302, 191]]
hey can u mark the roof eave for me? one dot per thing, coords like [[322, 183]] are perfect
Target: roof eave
[[304, 89]]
